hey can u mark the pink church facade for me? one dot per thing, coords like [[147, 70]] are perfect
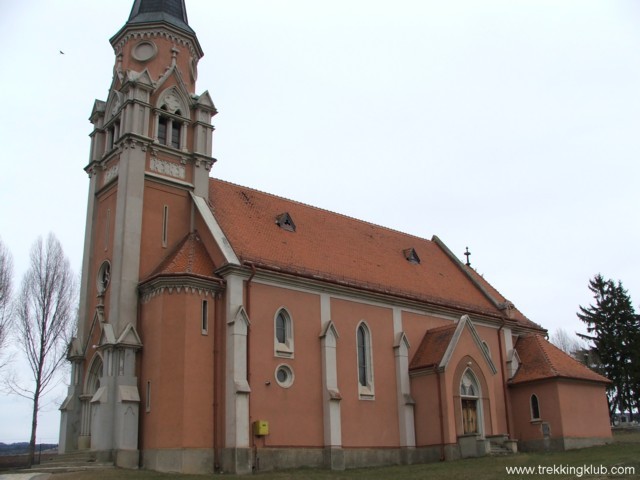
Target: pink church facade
[[227, 329]]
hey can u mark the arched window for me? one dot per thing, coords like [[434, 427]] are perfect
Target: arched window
[[170, 123], [535, 407], [485, 345], [281, 327], [283, 334], [365, 366], [469, 395], [93, 379], [112, 124]]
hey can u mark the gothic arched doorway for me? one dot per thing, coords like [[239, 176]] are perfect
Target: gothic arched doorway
[[471, 408], [91, 386]]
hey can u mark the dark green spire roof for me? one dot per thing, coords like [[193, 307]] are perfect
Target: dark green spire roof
[[172, 12]]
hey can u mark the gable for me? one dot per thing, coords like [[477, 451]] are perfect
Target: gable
[[130, 337], [172, 78], [189, 257], [439, 345]]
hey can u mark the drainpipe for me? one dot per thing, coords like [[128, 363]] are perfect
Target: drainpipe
[[248, 309], [504, 381]]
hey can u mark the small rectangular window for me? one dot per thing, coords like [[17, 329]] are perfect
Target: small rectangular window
[[205, 317], [165, 225]]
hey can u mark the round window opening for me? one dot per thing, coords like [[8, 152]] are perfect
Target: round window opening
[[144, 51], [104, 276], [284, 376]]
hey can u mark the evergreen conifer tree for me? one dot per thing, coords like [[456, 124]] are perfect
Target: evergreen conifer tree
[[614, 330]]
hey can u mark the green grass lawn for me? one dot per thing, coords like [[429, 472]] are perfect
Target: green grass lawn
[[624, 452]]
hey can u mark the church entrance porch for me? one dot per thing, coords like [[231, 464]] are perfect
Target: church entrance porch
[[472, 442]]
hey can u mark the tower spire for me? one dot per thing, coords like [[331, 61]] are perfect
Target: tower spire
[[173, 12]]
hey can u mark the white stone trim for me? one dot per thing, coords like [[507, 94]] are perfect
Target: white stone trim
[[237, 385], [215, 230], [401, 348], [465, 322], [330, 392], [478, 398], [345, 293], [286, 349]]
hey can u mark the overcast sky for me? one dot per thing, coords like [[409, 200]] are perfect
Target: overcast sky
[[511, 127]]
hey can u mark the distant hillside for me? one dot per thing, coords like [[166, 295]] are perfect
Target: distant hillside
[[23, 447]]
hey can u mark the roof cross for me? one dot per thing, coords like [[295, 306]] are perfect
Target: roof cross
[[467, 254]]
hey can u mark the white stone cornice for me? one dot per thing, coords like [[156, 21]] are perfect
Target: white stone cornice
[[188, 285], [168, 180], [353, 293], [162, 32]]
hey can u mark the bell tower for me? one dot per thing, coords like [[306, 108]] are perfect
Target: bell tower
[[150, 151]]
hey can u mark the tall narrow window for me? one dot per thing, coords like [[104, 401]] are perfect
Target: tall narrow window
[[485, 346], [535, 408], [148, 397], [106, 229], [116, 131], [175, 134], [362, 356], [283, 334], [109, 142], [162, 130], [281, 328], [165, 225], [365, 369], [205, 317]]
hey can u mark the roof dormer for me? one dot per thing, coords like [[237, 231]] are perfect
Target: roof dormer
[[411, 256], [285, 222]]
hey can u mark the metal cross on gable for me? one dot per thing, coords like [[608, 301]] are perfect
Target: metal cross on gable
[[467, 254]]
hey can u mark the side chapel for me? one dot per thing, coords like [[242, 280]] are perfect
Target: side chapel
[[226, 329]]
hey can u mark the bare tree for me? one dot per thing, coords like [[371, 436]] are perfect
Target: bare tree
[[6, 277], [565, 342], [44, 312]]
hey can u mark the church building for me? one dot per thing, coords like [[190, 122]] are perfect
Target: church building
[[224, 329]]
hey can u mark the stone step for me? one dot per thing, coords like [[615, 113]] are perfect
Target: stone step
[[500, 450], [70, 462], [86, 457], [71, 468]]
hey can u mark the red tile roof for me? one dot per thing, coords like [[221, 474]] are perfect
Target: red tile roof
[[540, 359], [432, 347], [189, 257], [515, 313], [333, 247]]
